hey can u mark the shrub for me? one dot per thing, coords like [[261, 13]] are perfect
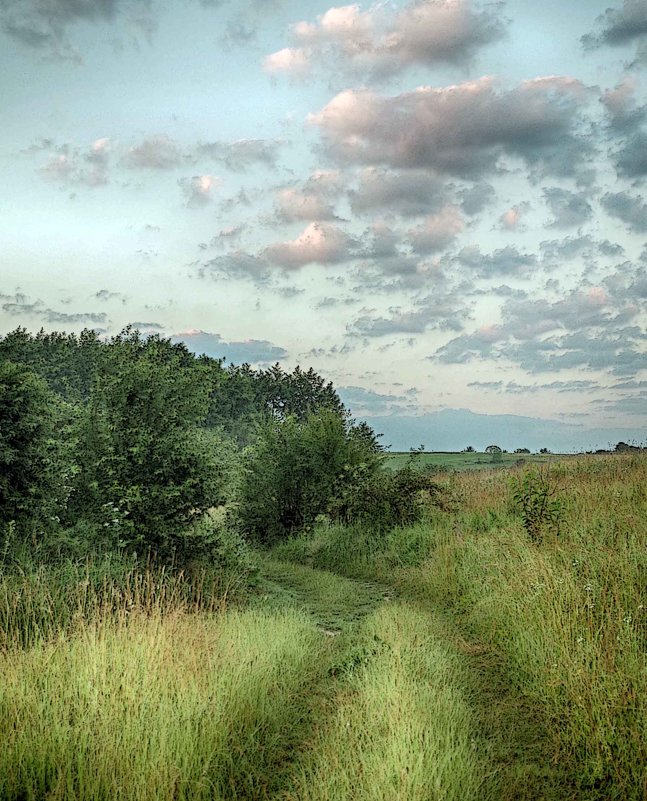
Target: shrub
[[534, 497]]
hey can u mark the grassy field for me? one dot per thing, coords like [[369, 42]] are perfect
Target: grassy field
[[466, 658], [435, 460]]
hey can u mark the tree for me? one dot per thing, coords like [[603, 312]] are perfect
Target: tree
[[147, 469], [495, 451], [300, 469], [25, 425], [469, 449]]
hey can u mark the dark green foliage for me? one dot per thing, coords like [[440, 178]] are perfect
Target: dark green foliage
[[385, 499], [534, 498], [146, 469], [299, 470], [25, 425]]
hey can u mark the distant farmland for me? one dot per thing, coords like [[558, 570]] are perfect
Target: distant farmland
[[449, 460]]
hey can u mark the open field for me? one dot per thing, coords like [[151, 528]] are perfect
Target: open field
[[459, 658], [446, 460]]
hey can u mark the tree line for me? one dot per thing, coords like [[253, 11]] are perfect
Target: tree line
[[126, 443]]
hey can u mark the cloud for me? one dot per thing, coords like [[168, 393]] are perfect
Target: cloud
[[619, 26], [408, 194], [44, 25], [19, 306], [510, 219], [621, 107], [592, 327], [632, 210], [73, 166], [197, 190], [437, 231], [631, 158], [361, 401], [464, 130], [155, 153], [292, 205], [443, 311], [505, 261], [476, 197], [242, 154], [106, 295], [569, 209], [380, 44], [237, 265], [319, 243], [254, 351]]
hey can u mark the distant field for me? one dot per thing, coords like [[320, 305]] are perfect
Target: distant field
[[465, 461]]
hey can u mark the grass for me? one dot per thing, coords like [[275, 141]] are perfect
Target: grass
[[178, 706], [455, 659], [563, 619], [439, 460], [402, 728]]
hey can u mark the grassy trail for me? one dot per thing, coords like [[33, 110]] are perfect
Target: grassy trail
[[412, 710]]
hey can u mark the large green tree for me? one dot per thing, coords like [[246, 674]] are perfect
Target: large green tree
[[25, 426], [147, 468]]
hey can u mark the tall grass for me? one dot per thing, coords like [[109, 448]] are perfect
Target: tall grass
[[156, 706], [401, 729], [567, 615], [40, 600]]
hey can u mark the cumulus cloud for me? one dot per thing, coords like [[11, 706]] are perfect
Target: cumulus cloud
[[45, 25], [443, 311], [463, 130], [379, 43], [620, 26], [292, 205], [631, 209], [198, 189], [504, 261], [631, 158], [237, 265], [620, 103], [362, 401], [155, 153], [569, 209], [407, 193], [437, 231], [593, 327], [19, 305], [69, 165], [255, 351], [242, 154], [319, 243]]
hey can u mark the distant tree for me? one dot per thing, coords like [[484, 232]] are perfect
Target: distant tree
[[495, 451], [522, 450], [469, 449], [544, 450]]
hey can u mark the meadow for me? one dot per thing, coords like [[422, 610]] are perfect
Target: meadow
[[483, 653]]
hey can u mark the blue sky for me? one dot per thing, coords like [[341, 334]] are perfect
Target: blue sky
[[437, 204]]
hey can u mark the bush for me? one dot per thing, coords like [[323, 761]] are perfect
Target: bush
[[299, 470], [534, 498]]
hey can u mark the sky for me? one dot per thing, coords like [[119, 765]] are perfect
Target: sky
[[440, 205]]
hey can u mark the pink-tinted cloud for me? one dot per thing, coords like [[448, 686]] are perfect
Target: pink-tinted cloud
[[319, 243], [465, 129], [381, 43], [437, 231]]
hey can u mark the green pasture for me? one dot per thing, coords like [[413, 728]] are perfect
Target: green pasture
[[446, 460]]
